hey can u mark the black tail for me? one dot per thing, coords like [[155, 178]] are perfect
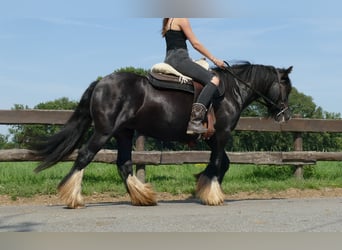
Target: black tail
[[63, 143]]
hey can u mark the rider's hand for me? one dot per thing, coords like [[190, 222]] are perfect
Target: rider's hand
[[219, 63]]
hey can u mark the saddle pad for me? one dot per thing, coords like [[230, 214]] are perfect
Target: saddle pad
[[164, 68]]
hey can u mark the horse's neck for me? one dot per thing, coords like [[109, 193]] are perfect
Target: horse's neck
[[252, 88]]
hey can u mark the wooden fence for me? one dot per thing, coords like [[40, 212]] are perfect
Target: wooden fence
[[297, 126]]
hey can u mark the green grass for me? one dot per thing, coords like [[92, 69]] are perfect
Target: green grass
[[17, 179]]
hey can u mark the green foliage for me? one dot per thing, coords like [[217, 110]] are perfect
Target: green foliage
[[4, 144], [139, 71], [303, 105], [59, 104], [261, 141], [3, 141]]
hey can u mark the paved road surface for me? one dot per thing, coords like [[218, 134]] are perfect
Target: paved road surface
[[275, 215]]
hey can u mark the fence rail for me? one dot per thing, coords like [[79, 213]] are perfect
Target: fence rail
[[184, 157], [297, 126], [59, 117]]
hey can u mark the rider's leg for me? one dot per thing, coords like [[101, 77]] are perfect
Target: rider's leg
[[181, 61], [199, 108]]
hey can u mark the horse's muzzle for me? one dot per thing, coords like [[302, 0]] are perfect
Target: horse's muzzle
[[283, 115]]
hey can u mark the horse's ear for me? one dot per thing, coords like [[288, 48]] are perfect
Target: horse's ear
[[289, 70]]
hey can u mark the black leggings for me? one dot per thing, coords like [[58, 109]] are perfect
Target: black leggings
[[180, 60]]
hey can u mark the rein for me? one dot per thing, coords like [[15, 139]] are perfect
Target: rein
[[282, 109]]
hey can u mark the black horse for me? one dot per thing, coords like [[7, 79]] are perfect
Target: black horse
[[122, 103]]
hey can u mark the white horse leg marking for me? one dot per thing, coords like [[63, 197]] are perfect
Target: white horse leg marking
[[209, 191], [141, 194], [70, 191]]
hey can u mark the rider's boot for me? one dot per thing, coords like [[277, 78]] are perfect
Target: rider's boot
[[199, 110], [195, 125]]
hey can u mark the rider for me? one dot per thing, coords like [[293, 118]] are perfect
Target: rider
[[176, 31]]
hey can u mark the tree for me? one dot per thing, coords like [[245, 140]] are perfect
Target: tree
[[139, 71], [4, 144]]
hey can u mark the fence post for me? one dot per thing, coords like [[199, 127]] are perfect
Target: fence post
[[140, 168], [298, 146]]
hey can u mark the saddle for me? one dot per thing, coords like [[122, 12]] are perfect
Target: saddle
[[164, 76]]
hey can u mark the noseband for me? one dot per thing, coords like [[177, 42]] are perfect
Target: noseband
[[282, 107]]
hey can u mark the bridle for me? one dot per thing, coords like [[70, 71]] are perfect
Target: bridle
[[282, 106]]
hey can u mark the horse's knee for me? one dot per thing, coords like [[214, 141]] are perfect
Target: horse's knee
[[215, 80]]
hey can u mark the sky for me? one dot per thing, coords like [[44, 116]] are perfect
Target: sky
[[54, 49]]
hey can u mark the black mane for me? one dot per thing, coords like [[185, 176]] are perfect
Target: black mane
[[244, 72]]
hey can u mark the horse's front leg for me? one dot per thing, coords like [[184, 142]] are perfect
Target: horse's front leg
[[141, 194], [208, 188]]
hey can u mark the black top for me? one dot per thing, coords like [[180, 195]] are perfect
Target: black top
[[175, 39]]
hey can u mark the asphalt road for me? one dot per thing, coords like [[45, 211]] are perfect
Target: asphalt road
[[274, 215]]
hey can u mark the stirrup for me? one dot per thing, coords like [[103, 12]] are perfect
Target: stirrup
[[199, 130]]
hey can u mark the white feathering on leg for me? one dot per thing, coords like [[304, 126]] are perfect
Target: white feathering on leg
[[209, 191], [141, 194], [70, 191]]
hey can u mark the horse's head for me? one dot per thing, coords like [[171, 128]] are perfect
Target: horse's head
[[260, 81], [278, 106]]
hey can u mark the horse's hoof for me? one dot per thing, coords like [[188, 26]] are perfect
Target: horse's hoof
[[209, 191], [141, 194]]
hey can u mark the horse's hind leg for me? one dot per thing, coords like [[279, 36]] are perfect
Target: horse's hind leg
[[71, 185], [141, 194]]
